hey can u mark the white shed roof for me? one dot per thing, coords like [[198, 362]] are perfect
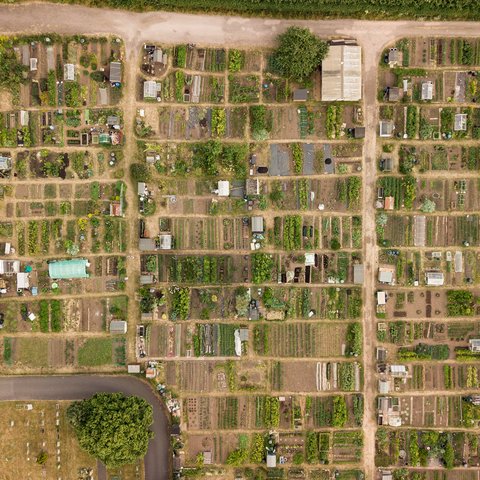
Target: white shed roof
[[385, 275], [223, 188], [383, 386], [69, 71], [118, 326], [257, 225], [381, 298], [165, 241], [458, 262], [358, 275], [434, 279], [22, 280], [427, 90], [150, 89], [460, 122]]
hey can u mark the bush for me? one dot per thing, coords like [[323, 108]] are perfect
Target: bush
[[299, 53], [340, 413], [139, 172], [262, 266]]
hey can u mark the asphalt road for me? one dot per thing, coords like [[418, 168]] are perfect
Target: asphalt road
[[77, 387]]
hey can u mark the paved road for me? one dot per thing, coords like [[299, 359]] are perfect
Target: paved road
[[157, 461]]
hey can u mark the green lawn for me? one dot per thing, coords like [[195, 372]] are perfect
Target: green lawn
[[95, 352]]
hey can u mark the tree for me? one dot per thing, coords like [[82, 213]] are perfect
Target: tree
[[112, 427], [11, 70], [139, 172], [298, 54]]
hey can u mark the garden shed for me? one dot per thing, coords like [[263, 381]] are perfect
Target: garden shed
[[393, 94], [427, 90], [146, 279], [386, 128], [118, 327], [381, 298], [146, 244], [458, 262], [257, 225], [385, 275], [165, 241], [150, 89], [223, 188], [300, 95], [434, 279], [5, 162], [358, 274], [460, 122], [68, 269], [115, 72], [474, 344], [419, 230], [69, 72]]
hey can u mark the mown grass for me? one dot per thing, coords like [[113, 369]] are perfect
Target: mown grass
[[95, 352]]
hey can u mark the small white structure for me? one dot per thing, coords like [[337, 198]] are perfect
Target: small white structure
[[33, 64], [102, 96], [150, 89], [385, 275], [24, 118], [383, 387], [309, 259], [257, 225], [165, 241], [458, 262], [23, 281], [474, 345], [393, 57], [460, 124], [358, 274], [238, 343], [399, 371], [427, 90], [386, 128], [69, 72], [133, 368], [381, 298], [141, 189], [118, 327], [434, 279], [223, 188], [271, 460]]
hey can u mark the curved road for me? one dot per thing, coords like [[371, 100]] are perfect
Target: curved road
[[77, 387]]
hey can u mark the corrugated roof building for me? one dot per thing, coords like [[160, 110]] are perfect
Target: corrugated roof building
[[115, 72], [342, 73]]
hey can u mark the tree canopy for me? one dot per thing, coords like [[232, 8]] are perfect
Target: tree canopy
[[298, 54], [112, 427], [11, 70]]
